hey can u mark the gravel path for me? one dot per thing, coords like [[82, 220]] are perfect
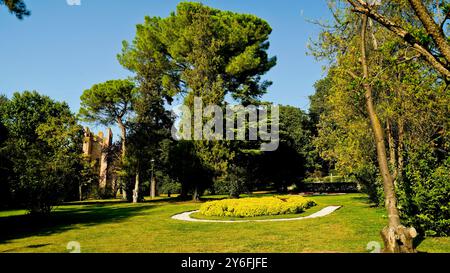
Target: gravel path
[[186, 216]]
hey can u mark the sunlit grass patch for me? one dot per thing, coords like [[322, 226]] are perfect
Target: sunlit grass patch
[[148, 227]]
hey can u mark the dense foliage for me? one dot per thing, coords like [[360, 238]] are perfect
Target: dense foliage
[[206, 53], [425, 197], [42, 150], [411, 101]]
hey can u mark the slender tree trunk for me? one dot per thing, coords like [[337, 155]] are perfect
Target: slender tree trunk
[[401, 131], [123, 134], [392, 149], [400, 148], [80, 191], [153, 188], [196, 196], [396, 237], [124, 192], [136, 189]]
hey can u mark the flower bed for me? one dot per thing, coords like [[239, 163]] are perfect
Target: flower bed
[[253, 207]]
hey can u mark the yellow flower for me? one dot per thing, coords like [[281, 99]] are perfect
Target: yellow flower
[[252, 207]]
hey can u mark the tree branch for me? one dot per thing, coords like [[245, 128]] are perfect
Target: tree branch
[[431, 27], [362, 7]]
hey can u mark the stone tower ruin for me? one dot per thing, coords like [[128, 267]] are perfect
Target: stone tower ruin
[[95, 149]]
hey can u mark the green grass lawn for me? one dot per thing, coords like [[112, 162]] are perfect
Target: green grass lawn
[[121, 227]]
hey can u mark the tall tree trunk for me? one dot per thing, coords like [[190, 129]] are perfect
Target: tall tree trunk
[[153, 188], [401, 131], [396, 237], [124, 192], [196, 195], [136, 189], [123, 134], [80, 191], [400, 148]]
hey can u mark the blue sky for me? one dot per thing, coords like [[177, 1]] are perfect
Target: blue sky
[[61, 50]]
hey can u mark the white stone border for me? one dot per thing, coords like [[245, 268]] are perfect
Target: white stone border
[[186, 216]]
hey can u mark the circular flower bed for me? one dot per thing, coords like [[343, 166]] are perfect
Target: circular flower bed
[[253, 207]]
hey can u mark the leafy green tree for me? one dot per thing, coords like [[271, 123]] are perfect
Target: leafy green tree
[[202, 52], [423, 27], [318, 108], [166, 184], [199, 47], [16, 7], [88, 184], [389, 88], [234, 183], [147, 147], [3, 130], [44, 147], [5, 168], [424, 199], [318, 102], [110, 103], [291, 161], [186, 168], [150, 127]]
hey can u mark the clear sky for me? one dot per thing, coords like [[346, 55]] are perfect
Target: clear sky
[[61, 50]]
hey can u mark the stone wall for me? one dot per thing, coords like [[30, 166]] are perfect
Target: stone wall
[[95, 148]]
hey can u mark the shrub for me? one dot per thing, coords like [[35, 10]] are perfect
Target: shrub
[[425, 197], [166, 184], [252, 207], [234, 183], [371, 183]]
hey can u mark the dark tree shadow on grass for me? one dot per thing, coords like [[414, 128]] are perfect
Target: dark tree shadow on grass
[[64, 219], [95, 202]]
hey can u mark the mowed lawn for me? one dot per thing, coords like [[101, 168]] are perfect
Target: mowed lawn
[[148, 227]]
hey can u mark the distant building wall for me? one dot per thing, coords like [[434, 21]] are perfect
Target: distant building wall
[[95, 148]]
